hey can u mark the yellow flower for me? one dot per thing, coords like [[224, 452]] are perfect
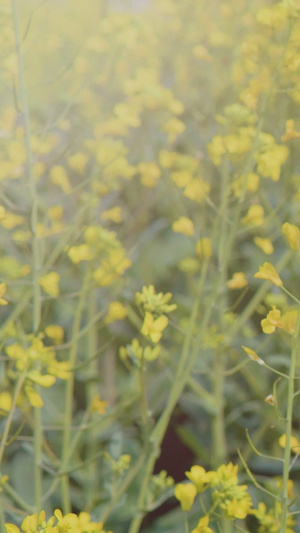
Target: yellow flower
[[289, 321], [59, 177], [238, 507], [202, 526], [2, 292], [204, 248], [173, 128], [127, 115], [69, 522], [268, 272], [238, 281], [272, 321], [253, 355], [11, 528], [292, 234], [150, 173], [295, 444], [269, 162], [55, 332], [80, 253], [182, 178], [255, 216], [49, 283], [216, 148], [199, 477], [196, 190], [10, 220], [273, 17], [56, 212], [78, 162], [264, 244], [98, 405], [59, 369], [185, 493], [116, 311], [290, 132], [44, 380], [153, 328], [114, 214], [184, 225], [5, 402]]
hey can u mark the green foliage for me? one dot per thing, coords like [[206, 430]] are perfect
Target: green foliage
[[149, 233]]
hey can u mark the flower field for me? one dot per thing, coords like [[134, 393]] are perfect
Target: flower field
[[149, 272]]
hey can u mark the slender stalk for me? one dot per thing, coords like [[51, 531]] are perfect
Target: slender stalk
[[10, 415], [288, 429], [2, 518], [143, 399], [37, 305], [66, 501], [92, 390]]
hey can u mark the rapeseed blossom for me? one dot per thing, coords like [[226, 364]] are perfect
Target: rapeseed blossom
[[268, 272]]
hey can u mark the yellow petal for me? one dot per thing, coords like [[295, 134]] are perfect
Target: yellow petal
[[268, 272], [186, 494], [292, 234]]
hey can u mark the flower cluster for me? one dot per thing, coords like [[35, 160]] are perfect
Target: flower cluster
[[38, 365], [232, 499], [58, 523]]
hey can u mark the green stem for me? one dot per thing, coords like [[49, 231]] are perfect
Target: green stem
[[92, 390], [186, 522], [143, 399], [66, 501], [189, 354], [10, 415], [288, 430], [2, 518], [35, 250]]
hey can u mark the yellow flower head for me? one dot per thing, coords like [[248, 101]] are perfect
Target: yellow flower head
[[184, 225], [55, 332], [294, 442], [202, 526], [268, 272], [199, 477], [80, 253], [150, 172], [153, 328], [290, 131], [238, 281], [5, 402], [272, 321], [116, 311], [255, 216], [264, 244], [114, 214], [59, 177], [185, 493], [49, 283], [2, 292], [292, 235]]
